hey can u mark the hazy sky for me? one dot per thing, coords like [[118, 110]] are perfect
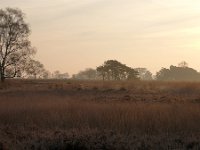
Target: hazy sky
[[72, 35]]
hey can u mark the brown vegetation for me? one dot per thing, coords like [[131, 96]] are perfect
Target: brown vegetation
[[87, 115]]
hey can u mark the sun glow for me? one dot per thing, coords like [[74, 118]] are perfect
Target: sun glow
[[96, 30]]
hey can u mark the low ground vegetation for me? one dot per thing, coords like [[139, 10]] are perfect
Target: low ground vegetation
[[88, 115]]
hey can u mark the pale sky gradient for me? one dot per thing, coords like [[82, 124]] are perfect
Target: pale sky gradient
[[72, 35]]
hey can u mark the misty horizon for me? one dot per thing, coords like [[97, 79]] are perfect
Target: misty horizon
[[72, 35], [99, 74]]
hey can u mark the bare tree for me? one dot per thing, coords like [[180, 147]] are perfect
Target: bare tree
[[15, 47], [35, 69], [144, 74], [57, 75]]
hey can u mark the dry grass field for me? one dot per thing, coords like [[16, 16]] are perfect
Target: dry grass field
[[96, 115]]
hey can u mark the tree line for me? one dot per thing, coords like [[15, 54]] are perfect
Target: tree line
[[114, 70], [16, 59]]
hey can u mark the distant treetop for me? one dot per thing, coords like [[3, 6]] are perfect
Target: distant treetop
[[114, 70], [180, 73]]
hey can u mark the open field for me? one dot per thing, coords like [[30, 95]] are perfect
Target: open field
[[88, 115]]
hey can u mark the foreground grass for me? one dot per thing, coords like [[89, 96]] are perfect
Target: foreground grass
[[89, 116]]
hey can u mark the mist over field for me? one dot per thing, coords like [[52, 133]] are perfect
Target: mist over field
[[72, 35], [99, 75]]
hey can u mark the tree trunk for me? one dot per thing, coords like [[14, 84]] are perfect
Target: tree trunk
[[2, 75]]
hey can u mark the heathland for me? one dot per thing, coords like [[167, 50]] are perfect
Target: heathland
[[89, 115]]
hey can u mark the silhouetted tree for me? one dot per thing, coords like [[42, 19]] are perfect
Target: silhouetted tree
[[15, 47], [144, 74], [178, 74], [101, 70], [87, 74], [114, 70], [34, 69], [163, 74], [131, 74], [58, 75]]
